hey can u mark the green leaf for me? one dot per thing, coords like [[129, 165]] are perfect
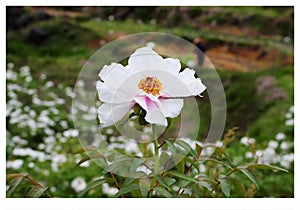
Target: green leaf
[[83, 150], [93, 185], [208, 186], [13, 185], [192, 162], [36, 191], [169, 181], [135, 164], [183, 176], [162, 191], [145, 185], [171, 147], [186, 147], [95, 156], [119, 163], [162, 182], [209, 158], [199, 148], [12, 176], [127, 189], [260, 166], [225, 185], [250, 175]]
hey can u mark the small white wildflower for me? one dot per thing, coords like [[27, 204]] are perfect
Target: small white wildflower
[[284, 145], [288, 115], [111, 18], [106, 189], [78, 184], [288, 157], [219, 144], [52, 189], [259, 153], [14, 164], [31, 165], [49, 84], [273, 144], [291, 110], [191, 63], [247, 141], [43, 76], [289, 122], [280, 136], [109, 131], [10, 65], [248, 155]]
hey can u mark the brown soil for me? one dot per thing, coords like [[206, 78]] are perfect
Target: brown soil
[[237, 58]]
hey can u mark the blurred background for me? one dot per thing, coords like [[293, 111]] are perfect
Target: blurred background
[[252, 49]]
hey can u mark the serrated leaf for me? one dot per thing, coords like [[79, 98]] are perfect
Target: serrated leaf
[[162, 182], [225, 186], [183, 176], [145, 185], [250, 176], [13, 185], [260, 166], [162, 191], [127, 189], [36, 191]]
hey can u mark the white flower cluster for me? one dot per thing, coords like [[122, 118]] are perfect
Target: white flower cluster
[[290, 117], [37, 114], [278, 151]]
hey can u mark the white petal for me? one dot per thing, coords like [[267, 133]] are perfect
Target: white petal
[[151, 105], [114, 75], [145, 59], [172, 65], [156, 117], [195, 85], [109, 114], [183, 85], [109, 95], [171, 107]]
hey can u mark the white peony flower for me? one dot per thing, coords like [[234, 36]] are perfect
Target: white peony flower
[[78, 184], [156, 84]]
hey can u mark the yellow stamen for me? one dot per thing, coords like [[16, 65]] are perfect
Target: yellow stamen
[[150, 85]]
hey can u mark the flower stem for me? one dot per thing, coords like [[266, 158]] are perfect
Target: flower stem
[[155, 139]]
